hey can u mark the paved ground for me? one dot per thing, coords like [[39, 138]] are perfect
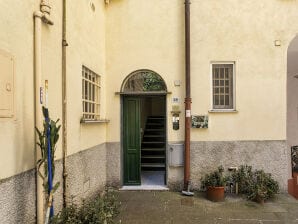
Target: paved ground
[[153, 207]]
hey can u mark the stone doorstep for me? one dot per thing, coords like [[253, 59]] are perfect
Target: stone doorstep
[[293, 186]]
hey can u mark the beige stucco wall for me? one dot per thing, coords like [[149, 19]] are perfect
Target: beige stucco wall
[[143, 35], [17, 134], [127, 35], [151, 37], [86, 39], [244, 33]]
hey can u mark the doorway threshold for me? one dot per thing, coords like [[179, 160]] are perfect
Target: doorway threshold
[[151, 181], [145, 188]]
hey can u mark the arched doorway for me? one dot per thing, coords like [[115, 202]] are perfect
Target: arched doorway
[[144, 129]]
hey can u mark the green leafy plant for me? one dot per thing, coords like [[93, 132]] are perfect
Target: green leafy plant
[[255, 184], [42, 143], [100, 210], [262, 186], [214, 179], [294, 157], [153, 82], [243, 176]]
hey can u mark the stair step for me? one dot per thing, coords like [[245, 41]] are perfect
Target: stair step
[[153, 157], [156, 117], [153, 165], [153, 149], [153, 136], [155, 142], [153, 129], [154, 124]]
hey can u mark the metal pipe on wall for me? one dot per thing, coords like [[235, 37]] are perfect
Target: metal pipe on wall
[[187, 101], [64, 104]]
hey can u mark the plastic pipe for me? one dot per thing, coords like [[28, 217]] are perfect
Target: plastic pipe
[[39, 17], [38, 109]]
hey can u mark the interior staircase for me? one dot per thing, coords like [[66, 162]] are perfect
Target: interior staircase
[[154, 144]]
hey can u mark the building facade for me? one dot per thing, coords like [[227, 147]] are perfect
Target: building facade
[[123, 100]]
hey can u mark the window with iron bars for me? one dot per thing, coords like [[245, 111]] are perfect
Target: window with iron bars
[[223, 86], [90, 95]]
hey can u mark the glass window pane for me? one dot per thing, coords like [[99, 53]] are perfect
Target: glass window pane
[[222, 86], [227, 100], [86, 90], [216, 100], [90, 93], [222, 100], [144, 81], [216, 73], [222, 73], [226, 73], [86, 107]]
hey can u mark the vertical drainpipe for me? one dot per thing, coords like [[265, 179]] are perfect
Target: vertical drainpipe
[[38, 113], [187, 99], [40, 17], [64, 104]]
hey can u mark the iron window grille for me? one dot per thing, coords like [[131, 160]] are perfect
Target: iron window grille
[[223, 86], [90, 95]]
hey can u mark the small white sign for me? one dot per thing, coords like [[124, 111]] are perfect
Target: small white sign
[[175, 100], [177, 82], [187, 113]]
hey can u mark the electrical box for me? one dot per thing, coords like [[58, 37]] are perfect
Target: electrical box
[[6, 85], [176, 155]]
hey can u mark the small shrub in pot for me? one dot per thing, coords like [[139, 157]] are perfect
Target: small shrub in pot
[[255, 184], [214, 183]]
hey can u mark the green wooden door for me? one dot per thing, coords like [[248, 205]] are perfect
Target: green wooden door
[[131, 141]]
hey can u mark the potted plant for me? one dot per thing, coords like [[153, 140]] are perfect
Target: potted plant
[[294, 155], [293, 182], [262, 187], [255, 184], [214, 184]]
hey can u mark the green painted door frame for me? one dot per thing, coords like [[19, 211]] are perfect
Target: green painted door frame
[[131, 141]]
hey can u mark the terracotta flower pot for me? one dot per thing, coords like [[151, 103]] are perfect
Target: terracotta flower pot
[[215, 193], [293, 185], [259, 200]]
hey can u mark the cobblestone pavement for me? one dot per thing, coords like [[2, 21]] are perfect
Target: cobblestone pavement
[[164, 207]]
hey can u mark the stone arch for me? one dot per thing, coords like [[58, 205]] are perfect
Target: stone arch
[[142, 81]]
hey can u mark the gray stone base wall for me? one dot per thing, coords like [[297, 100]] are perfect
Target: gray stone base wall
[[114, 168], [271, 156], [89, 171], [17, 199], [86, 175]]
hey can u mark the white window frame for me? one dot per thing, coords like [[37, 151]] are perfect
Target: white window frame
[[93, 92], [233, 109]]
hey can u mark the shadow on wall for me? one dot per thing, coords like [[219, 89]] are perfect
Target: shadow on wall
[[292, 93]]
